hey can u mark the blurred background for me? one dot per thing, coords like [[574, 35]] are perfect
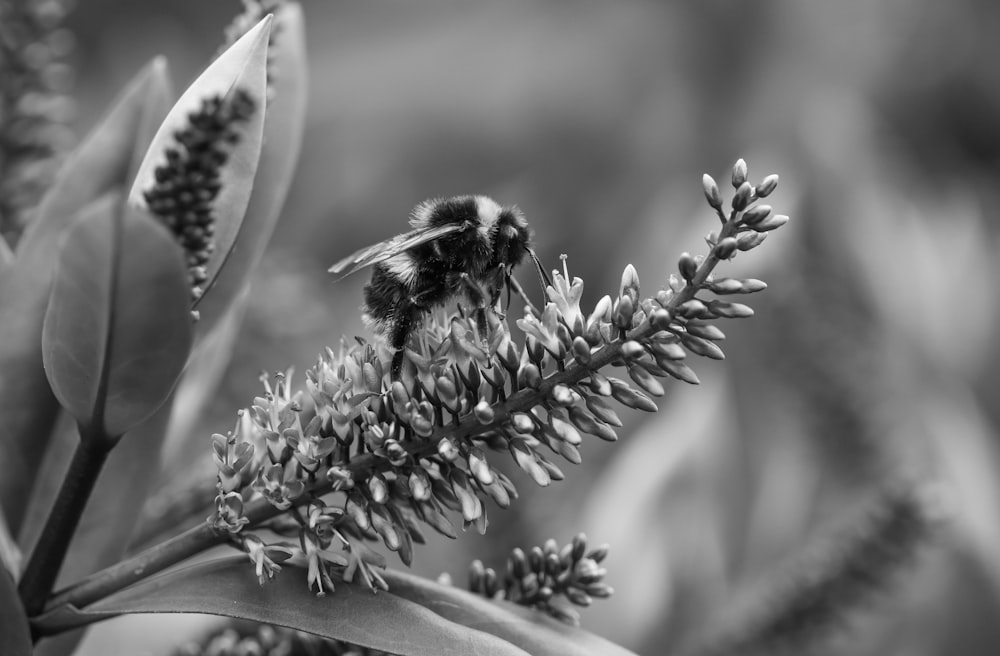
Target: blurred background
[[872, 354]]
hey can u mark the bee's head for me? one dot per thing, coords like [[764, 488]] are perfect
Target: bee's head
[[512, 237]]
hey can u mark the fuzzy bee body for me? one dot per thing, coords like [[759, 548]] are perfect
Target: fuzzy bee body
[[457, 247]]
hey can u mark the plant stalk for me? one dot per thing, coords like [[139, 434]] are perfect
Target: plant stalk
[[47, 557]]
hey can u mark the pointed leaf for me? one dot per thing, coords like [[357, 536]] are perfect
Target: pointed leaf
[[531, 630], [101, 162], [283, 128], [222, 307], [117, 331], [241, 67], [15, 634], [351, 613]]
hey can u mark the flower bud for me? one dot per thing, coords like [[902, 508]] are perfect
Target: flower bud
[[767, 186], [565, 431], [660, 319], [742, 197], [771, 223], [687, 266], [529, 376], [563, 396], [669, 350], [756, 214], [399, 395], [632, 350], [447, 450], [420, 485], [479, 467], [630, 283], [477, 573], [679, 370], [725, 248], [632, 398], [729, 309], [624, 313], [726, 286], [581, 350], [484, 412], [691, 309], [421, 425], [739, 172], [646, 380], [472, 507], [378, 489], [702, 347], [705, 331], [522, 423], [712, 194], [599, 384], [356, 508], [591, 425], [599, 554], [750, 240]]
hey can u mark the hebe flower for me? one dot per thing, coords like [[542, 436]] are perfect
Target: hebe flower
[[408, 453], [34, 105], [265, 557]]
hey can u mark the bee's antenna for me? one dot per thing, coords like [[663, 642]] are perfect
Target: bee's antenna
[[543, 277]]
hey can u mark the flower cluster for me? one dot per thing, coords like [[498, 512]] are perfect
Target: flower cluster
[[541, 576], [34, 105], [268, 640], [379, 458], [187, 184]]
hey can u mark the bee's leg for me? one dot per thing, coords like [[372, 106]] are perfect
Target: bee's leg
[[507, 283], [513, 284], [478, 297], [399, 334]]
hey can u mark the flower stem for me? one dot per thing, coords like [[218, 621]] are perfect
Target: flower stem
[[145, 564], [47, 558]]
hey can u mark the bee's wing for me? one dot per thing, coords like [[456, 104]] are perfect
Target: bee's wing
[[399, 244]]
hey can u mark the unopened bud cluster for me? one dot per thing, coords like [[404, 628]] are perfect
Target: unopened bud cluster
[[267, 640], [35, 107], [418, 450], [544, 576], [186, 185]]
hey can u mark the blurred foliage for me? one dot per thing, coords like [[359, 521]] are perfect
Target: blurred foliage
[[871, 354]]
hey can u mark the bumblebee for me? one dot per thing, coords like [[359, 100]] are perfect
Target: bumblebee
[[466, 246]]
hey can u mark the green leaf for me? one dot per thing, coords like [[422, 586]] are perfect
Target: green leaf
[[531, 630], [351, 613], [242, 66], [283, 128], [15, 633], [117, 331], [102, 162]]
